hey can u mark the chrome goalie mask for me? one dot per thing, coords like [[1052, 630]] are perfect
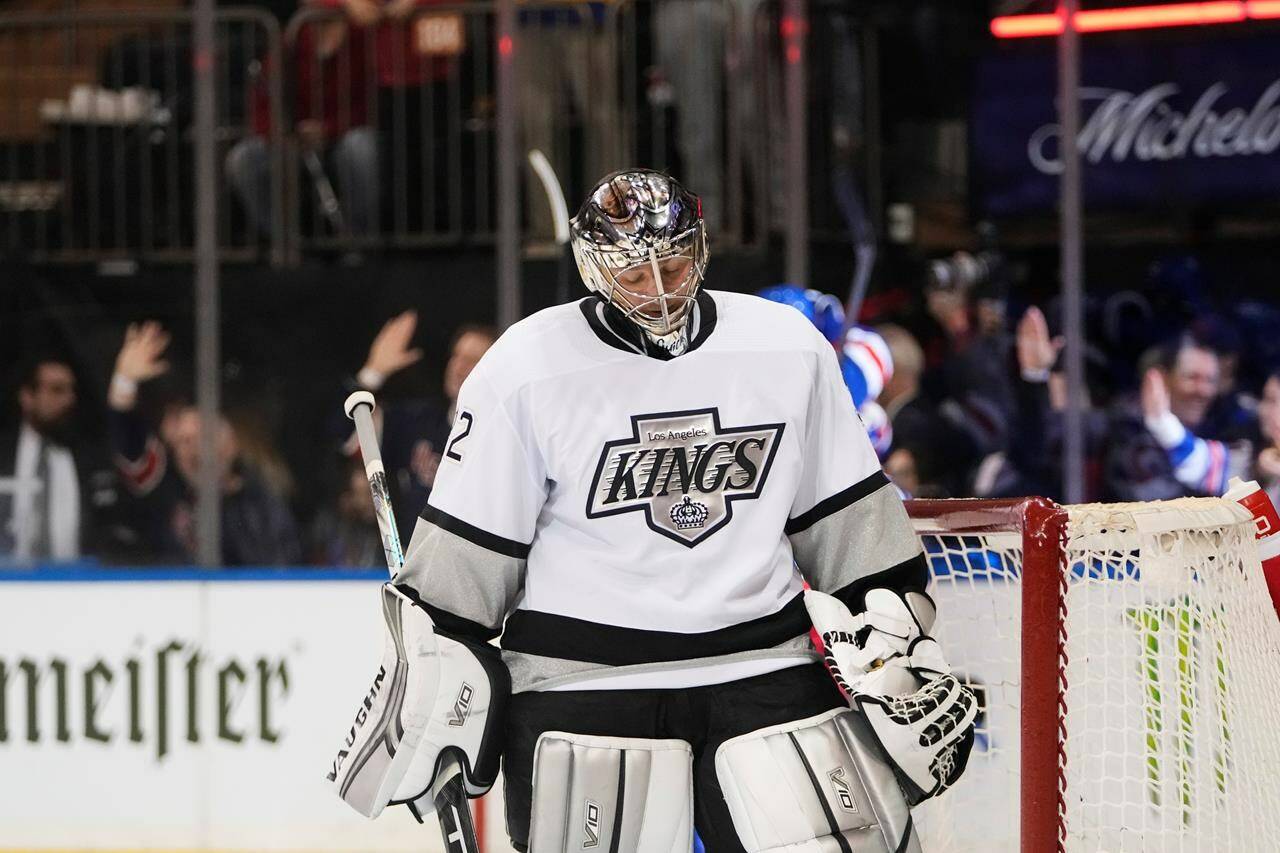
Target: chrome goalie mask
[[641, 244]]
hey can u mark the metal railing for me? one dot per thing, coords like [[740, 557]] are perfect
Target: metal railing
[[95, 143], [703, 93], [596, 91], [691, 100], [337, 137], [419, 97]]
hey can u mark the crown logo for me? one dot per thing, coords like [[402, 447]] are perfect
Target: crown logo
[[689, 514]]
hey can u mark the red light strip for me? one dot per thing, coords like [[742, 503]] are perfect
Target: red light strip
[[1138, 18], [1022, 26], [1150, 17], [1263, 8]]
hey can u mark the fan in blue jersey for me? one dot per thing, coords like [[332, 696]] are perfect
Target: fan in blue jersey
[[865, 362], [823, 310]]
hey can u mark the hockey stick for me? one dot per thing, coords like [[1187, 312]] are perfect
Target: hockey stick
[[447, 792], [329, 205], [559, 215], [863, 236]]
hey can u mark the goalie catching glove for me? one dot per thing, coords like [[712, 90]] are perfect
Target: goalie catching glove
[[435, 698], [891, 670]]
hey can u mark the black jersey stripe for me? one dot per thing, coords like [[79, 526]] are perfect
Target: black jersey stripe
[[836, 502], [590, 308], [609, 325], [707, 317], [449, 622], [910, 575], [475, 535], [908, 834], [566, 638]]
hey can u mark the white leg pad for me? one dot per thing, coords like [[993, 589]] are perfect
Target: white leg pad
[[611, 795], [814, 786]]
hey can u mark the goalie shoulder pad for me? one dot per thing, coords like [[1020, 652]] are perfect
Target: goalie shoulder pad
[[434, 696]]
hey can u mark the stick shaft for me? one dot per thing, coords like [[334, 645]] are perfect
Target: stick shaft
[[862, 233], [456, 825], [452, 810], [555, 194], [367, 435]]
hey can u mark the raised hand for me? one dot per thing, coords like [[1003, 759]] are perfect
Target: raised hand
[[390, 350], [1269, 463], [1037, 352], [1155, 395], [142, 354]]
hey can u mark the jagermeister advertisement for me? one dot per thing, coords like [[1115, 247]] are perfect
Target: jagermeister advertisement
[[184, 714]]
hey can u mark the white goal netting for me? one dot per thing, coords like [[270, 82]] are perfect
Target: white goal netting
[[1171, 682]]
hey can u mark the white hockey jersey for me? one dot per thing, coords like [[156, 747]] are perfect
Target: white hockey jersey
[[628, 519]]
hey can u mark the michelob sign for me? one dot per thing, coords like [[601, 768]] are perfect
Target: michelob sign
[[185, 710], [1162, 122]]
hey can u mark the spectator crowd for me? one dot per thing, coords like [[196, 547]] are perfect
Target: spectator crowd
[[960, 386], [131, 496], [958, 401], [976, 403]]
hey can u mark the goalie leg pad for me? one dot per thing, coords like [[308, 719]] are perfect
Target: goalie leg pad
[[817, 785], [611, 794]]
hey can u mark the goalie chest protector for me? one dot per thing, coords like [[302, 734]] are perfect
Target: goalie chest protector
[[646, 501]]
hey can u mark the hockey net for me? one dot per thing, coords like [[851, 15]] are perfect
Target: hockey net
[[1127, 658]]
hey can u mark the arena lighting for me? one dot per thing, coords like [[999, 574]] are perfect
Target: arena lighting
[[1138, 18]]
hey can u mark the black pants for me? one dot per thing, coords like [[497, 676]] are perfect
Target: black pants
[[703, 716]]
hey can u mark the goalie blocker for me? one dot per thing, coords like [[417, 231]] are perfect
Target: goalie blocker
[[434, 698]]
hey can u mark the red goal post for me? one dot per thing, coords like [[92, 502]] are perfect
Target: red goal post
[[1127, 658], [1041, 524]]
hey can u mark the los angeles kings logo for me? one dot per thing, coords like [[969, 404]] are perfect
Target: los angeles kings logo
[[683, 471]]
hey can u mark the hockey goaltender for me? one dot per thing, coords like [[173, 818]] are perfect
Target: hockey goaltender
[[653, 495]]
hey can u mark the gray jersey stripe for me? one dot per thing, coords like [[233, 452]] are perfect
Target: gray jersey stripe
[[836, 502], [475, 535], [535, 672], [866, 537], [456, 575]]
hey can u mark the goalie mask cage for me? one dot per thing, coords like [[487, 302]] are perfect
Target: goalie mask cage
[[1127, 661]]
